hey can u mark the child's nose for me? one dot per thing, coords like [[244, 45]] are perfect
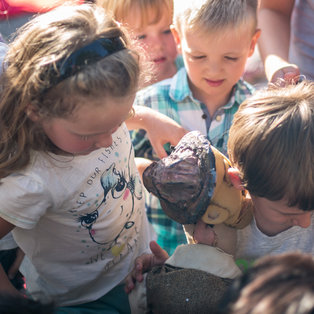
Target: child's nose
[[155, 42], [303, 221], [104, 141], [213, 67]]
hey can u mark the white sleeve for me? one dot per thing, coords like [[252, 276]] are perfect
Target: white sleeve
[[23, 200]]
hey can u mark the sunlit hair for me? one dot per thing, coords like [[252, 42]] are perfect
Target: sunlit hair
[[214, 15], [271, 142], [275, 284], [149, 11], [38, 46]]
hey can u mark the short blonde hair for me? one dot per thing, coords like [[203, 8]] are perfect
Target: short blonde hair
[[212, 15], [120, 9], [271, 142]]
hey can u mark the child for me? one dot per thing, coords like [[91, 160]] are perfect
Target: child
[[70, 190], [275, 284], [149, 22], [215, 39], [271, 149]]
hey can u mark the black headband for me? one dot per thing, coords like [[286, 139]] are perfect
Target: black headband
[[87, 55]]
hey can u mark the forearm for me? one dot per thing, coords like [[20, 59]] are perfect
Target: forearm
[[160, 128], [141, 119], [274, 22]]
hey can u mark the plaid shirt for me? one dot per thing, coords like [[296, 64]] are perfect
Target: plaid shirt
[[174, 98]]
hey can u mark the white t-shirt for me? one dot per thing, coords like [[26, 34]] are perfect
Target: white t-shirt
[[80, 220], [252, 243]]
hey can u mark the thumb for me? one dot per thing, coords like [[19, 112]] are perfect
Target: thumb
[[160, 255]]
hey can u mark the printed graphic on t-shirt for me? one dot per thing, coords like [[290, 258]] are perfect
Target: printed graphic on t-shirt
[[112, 222]]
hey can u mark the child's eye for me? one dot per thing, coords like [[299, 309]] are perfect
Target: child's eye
[[141, 37], [232, 58], [166, 32], [198, 57]]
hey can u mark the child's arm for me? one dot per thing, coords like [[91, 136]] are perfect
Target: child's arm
[[145, 263], [274, 21], [160, 128]]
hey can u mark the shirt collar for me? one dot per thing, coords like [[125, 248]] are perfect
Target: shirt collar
[[180, 89]]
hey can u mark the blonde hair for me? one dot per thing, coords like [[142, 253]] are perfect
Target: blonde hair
[[37, 48], [120, 9], [213, 15], [271, 142]]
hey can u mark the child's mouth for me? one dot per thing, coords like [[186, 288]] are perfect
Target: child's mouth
[[213, 83], [159, 60]]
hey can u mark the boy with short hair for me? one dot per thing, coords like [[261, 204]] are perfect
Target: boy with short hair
[[215, 39], [271, 147]]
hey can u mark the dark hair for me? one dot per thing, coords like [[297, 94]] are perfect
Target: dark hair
[[280, 284]]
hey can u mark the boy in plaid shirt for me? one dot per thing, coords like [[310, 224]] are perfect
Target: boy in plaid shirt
[[215, 39]]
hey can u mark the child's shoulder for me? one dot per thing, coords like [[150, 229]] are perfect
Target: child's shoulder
[[165, 88]]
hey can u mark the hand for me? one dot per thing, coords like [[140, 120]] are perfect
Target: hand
[[163, 130], [145, 263], [289, 74], [160, 128]]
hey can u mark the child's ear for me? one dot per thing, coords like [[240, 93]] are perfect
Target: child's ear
[[32, 113], [254, 41], [234, 177], [176, 37]]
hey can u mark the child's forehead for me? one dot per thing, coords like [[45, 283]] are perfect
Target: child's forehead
[[240, 32], [138, 17], [206, 26]]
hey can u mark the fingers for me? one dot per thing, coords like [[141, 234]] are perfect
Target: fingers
[[129, 284], [289, 74], [137, 272], [159, 149], [145, 263]]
